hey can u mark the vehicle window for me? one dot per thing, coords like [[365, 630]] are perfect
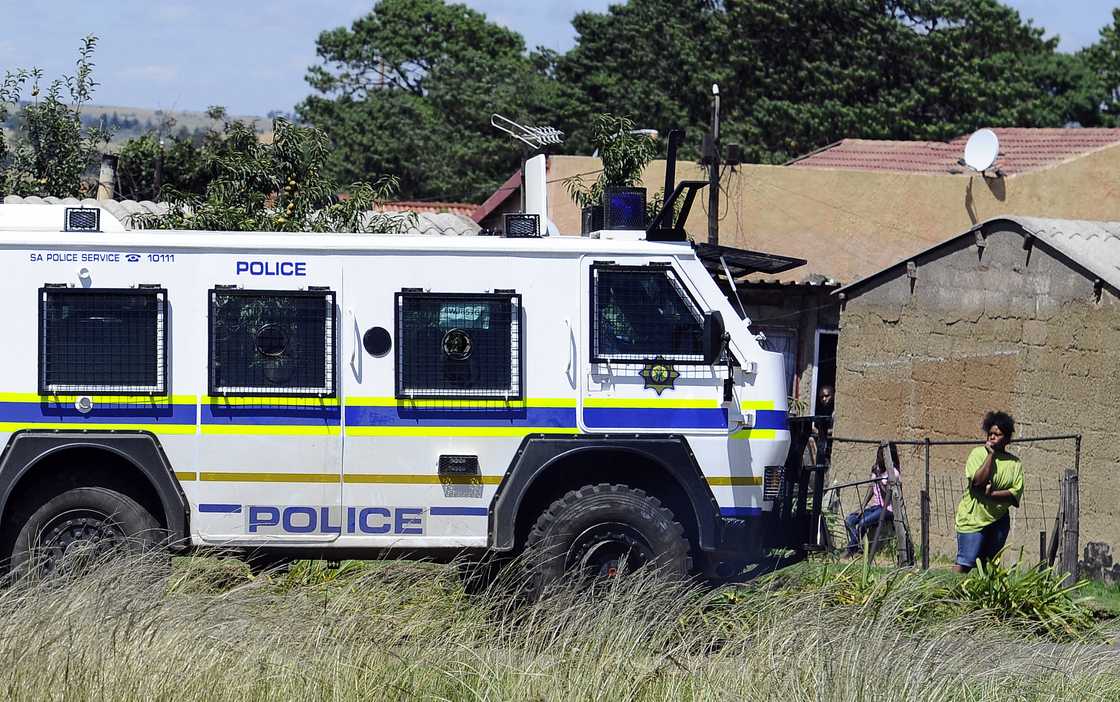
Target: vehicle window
[[641, 312], [454, 345], [272, 342], [102, 341]]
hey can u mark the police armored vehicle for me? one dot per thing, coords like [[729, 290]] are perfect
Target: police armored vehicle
[[354, 395]]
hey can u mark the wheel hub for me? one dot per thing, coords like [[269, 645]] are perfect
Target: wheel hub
[[75, 540], [608, 550]]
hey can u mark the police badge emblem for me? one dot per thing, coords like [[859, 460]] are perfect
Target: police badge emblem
[[659, 375]]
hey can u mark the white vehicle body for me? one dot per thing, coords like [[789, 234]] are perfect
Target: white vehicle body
[[359, 467]]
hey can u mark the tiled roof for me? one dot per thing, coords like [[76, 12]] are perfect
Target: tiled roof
[[465, 209], [1095, 246], [426, 223], [1020, 149]]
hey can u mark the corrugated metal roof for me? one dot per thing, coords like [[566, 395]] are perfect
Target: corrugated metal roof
[[1093, 245], [1020, 150], [425, 224]]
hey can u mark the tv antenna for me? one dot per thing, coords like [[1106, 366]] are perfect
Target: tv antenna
[[981, 150], [533, 138]]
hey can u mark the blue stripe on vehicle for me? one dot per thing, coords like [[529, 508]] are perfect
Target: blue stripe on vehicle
[[363, 416], [32, 412], [459, 511], [291, 416], [740, 511], [771, 419], [218, 508], [656, 417]]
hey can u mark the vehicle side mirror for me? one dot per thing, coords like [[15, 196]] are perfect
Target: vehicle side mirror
[[713, 337]]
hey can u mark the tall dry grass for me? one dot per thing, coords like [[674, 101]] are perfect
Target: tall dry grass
[[406, 631]]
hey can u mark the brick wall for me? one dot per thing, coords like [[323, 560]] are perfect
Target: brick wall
[[1009, 327]]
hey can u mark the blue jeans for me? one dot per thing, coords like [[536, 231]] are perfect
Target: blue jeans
[[859, 523], [982, 545]]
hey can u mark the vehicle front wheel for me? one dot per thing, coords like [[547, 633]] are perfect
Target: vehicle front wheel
[[80, 528], [604, 530]]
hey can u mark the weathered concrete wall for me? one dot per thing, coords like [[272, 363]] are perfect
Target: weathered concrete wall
[[850, 223], [1006, 328]]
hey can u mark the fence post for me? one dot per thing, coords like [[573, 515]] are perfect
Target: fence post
[[925, 529], [1070, 526], [925, 514]]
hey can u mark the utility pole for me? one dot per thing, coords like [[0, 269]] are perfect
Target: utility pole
[[713, 170]]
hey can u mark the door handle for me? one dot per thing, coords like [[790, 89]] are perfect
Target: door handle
[[569, 370]]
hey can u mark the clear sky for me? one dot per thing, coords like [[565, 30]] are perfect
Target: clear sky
[[252, 56]]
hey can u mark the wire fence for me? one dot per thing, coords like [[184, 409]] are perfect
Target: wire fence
[[934, 469]]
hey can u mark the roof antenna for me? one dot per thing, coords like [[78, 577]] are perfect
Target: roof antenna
[[534, 139]]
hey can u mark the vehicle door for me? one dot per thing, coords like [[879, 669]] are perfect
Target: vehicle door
[[644, 371], [270, 449]]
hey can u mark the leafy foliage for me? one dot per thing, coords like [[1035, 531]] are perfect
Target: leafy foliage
[[1032, 596], [624, 154], [50, 151], [1103, 59], [280, 186], [409, 89]]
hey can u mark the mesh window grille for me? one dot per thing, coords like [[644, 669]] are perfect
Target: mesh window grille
[[268, 342], [104, 341], [459, 345], [641, 312]]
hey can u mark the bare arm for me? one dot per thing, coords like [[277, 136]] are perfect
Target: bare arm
[[984, 473], [1002, 496]]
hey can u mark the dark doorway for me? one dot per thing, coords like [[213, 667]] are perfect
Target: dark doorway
[[824, 369]]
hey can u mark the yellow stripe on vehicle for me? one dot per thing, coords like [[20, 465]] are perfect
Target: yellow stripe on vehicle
[[734, 481], [457, 431], [655, 403], [238, 477], [243, 400], [415, 479], [755, 434], [91, 426], [756, 404], [186, 475], [460, 404], [270, 429]]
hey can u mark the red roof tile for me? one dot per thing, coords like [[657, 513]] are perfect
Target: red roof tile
[[465, 209], [1020, 149]]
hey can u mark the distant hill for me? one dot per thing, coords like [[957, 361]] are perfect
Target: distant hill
[[130, 122]]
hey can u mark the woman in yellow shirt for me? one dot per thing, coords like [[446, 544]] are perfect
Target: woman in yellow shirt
[[995, 484]]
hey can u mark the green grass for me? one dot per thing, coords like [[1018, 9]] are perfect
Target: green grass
[[406, 631]]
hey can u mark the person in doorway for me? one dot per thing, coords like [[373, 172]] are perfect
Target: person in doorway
[[875, 503], [825, 396], [995, 484]]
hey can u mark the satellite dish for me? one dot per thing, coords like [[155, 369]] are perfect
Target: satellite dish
[[981, 150]]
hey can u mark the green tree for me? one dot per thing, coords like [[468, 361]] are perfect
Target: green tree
[[796, 75], [278, 186], [654, 60], [624, 154], [409, 89], [1103, 59], [50, 151]]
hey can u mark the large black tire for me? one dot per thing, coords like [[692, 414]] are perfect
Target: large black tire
[[82, 526], [605, 530]]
